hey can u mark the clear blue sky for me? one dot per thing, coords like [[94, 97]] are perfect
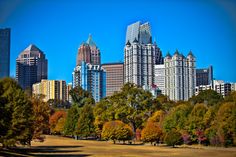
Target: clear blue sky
[[207, 27]]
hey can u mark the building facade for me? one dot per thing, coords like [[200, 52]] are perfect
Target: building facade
[[68, 96], [222, 87], [91, 78], [160, 77], [140, 55], [180, 76], [5, 38], [204, 76], [51, 89], [31, 67], [114, 77]]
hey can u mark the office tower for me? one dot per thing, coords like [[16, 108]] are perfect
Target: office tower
[[180, 76], [51, 89], [140, 55], [91, 78], [88, 52], [88, 72], [204, 76], [114, 77], [5, 35], [95, 52], [160, 77], [200, 88], [31, 67]]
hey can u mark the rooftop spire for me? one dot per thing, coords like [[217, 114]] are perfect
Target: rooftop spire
[[90, 41]]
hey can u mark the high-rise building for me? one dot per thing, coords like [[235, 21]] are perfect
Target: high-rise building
[[114, 77], [88, 52], [95, 52], [160, 77], [31, 67], [91, 78], [5, 35], [140, 55], [51, 89], [180, 76], [88, 72], [204, 76]]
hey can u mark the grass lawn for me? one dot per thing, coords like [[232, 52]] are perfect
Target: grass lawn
[[60, 146]]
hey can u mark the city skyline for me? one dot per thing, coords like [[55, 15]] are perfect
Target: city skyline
[[208, 29]]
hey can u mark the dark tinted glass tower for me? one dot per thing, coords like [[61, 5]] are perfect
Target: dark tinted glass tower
[[4, 52], [31, 67]]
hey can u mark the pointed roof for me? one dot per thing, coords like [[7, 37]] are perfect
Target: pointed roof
[[32, 47], [176, 52], [190, 53], [135, 40], [90, 41], [168, 54], [128, 43]]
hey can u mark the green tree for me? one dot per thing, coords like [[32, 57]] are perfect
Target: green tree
[[86, 121], [226, 123], [16, 116], [71, 120], [80, 96], [208, 97], [177, 118], [173, 138]]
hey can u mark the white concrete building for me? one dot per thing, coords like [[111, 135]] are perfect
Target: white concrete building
[[180, 76]]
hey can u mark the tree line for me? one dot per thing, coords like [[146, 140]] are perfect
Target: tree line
[[131, 114]]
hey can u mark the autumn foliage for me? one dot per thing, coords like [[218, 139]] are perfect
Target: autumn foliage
[[116, 130], [151, 133], [57, 122]]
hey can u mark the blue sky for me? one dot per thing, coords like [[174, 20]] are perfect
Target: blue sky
[[58, 27]]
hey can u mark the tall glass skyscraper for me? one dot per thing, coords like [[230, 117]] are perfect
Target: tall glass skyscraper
[[5, 35], [31, 67], [140, 55]]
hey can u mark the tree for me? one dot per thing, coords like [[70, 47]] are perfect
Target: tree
[[86, 121], [226, 123], [196, 117], [116, 130], [41, 116], [151, 132], [16, 116], [177, 118], [71, 122], [57, 122], [173, 138], [80, 96], [208, 97]]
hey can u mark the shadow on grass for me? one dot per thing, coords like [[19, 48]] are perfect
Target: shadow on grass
[[44, 151]]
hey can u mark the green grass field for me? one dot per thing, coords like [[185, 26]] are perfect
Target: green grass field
[[60, 146]]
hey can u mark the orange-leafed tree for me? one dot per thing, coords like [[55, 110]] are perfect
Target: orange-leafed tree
[[116, 130], [151, 132], [57, 122]]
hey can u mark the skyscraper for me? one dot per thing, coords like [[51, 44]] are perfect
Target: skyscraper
[[5, 35], [31, 67], [91, 78], [180, 76], [88, 52], [88, 72], [114, 77], [140, 55]]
